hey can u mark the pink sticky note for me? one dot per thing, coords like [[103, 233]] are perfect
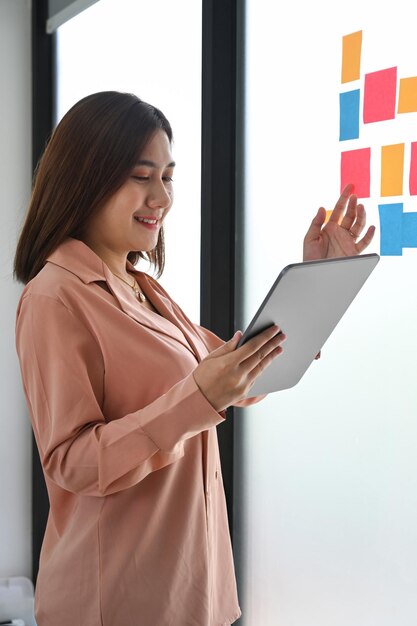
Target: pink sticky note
[[355, 168], [413, 169], [380, 95]]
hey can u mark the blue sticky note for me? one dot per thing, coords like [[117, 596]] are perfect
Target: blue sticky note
[[398, 229], [409, 232], [349, 115]]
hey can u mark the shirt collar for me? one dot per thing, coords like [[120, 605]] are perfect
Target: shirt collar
[[76, 257]]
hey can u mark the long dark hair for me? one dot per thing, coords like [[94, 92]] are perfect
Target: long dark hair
[[88, 157]]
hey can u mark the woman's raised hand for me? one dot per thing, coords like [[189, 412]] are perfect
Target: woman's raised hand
[[341, 235], [227, 374]]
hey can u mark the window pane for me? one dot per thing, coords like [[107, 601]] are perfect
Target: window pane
[[142, 47], [328, 519]]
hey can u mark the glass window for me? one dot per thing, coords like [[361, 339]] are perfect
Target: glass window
[[327, 520], [143, 48]]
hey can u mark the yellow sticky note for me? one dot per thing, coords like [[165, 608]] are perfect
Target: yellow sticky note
[[351, 56], [328, 216], [407, 99], [392, 168]]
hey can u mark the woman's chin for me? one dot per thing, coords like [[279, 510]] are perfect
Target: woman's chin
[[145, 245]]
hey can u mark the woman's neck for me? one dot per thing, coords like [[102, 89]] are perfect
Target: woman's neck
[[115, 261]]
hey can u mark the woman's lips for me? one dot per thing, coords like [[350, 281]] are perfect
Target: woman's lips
[[150, 223]]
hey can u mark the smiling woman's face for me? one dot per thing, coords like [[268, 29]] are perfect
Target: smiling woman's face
[[131, 219]]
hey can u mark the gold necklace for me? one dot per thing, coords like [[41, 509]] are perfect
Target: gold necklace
[[138, 293]]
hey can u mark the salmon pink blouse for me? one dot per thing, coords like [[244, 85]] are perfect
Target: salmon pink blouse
[[137, 533]]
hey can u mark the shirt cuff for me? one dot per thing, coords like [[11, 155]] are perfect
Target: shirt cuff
[[181, 413]]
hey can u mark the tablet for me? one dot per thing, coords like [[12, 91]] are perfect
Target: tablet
[[307, 301]]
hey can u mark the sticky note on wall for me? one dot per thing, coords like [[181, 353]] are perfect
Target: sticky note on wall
[[398, 229], [351, 56], [355, 167], [349, 115], [407, 97], [392, 170], [413, 169], [380, 94]]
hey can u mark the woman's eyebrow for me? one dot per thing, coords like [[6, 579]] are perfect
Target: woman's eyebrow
[[153, 164]]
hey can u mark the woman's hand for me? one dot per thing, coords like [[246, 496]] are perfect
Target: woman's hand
[[339, 237], [226, 375], [249, 401]]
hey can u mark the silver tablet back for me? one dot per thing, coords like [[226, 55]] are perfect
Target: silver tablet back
[[307, 301]]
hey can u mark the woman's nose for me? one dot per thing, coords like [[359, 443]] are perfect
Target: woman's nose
[[159, 196]]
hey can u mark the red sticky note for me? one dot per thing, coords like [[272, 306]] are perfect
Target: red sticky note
[[413, 169], [380, 95], [355, 167]]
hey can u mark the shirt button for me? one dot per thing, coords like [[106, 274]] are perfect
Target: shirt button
[[216, 475]]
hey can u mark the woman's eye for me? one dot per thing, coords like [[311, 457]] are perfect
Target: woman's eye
[[141, 178]]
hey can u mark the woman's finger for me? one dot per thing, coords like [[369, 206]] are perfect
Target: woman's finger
[[340, 205], [262, 353], [316, 225], [227, 347], [366, 239], [256, 343], [262, 365], [351, 213], [357, 228]]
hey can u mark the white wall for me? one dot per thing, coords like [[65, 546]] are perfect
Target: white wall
[[15, 183]]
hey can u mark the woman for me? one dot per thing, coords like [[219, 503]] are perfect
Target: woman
[[124, 391]]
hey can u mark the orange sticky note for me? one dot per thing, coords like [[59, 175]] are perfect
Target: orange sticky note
[[407, 99], [351, 56], [392, 170]]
